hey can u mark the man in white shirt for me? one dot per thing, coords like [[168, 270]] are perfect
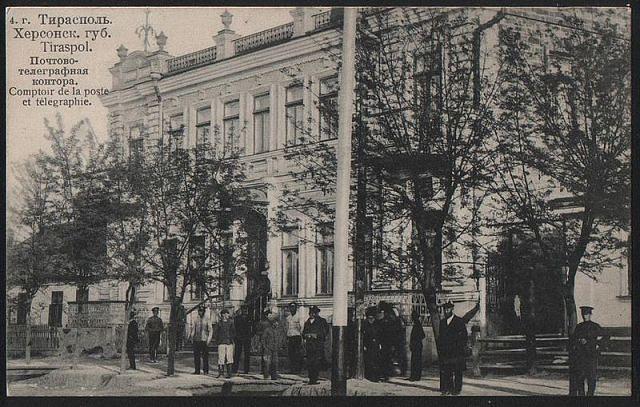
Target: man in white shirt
[[294, 338], [201, 333]]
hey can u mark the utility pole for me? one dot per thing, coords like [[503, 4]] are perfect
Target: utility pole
[[343, 185], [360, 240]]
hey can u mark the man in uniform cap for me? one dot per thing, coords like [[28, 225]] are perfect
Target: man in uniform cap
[[452, 345], [154, 328], [132, 339], [584, 347]]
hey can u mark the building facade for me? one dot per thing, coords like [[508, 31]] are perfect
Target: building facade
[[269, 89]]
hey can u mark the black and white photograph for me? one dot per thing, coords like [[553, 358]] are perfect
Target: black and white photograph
[[319, 201]]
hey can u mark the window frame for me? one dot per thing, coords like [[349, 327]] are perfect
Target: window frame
[[322, 247], [293, 139], [428, 78], [284, 250], [230, 139], [322, 99], [176, 136], [264, 114], [203, 125]]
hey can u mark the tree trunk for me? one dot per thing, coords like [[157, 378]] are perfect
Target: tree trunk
[[530, 330], [27, 350], [570, 307], [171, 337], [128, 305]]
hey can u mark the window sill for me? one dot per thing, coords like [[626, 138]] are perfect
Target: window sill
[[324, 294], [624, 297]]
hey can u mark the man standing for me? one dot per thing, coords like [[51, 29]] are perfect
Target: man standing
[[314, 333], [154, 328], [201, 333], [415, 345], [371, 346], [270, 341], [584, 348], [385, 337], [242, 340], [225, 334], [132, 340], [452, 345], [294, 339]]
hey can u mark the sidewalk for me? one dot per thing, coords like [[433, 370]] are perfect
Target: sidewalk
[[102, 378]]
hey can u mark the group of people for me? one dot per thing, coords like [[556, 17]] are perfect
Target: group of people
[[383, 338], [303, 337], [235, 337], [383, 335]]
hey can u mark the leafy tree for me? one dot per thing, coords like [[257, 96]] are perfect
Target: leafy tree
[[195, 203], [30, 251], [565, 127], [127, 234], [79, 202], [421, 114]]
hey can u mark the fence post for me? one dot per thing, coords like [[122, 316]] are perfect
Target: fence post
[[475, 350]]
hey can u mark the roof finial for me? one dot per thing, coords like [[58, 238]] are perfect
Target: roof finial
[[145, 30], [226, 18]]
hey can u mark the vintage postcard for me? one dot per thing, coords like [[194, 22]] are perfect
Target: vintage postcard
[[318, 201]]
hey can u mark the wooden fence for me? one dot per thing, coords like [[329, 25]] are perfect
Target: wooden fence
[[44, 339], [509, 354]]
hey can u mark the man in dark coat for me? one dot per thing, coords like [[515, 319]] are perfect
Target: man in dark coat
[[415, 345], [242, 340], [154, 328], [584, 347], [314, 334], [132, 340], [371, 346], [386, 341], [452, 346]]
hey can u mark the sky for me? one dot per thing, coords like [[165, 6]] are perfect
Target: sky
[[188, 29]]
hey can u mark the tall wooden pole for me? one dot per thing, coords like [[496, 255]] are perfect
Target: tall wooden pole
[[341, 233]]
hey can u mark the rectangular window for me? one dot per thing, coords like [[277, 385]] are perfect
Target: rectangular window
[[324, 258], [136, 143], [203, 125], [290, 262], [136, 149], [294, 111], [261, 126], [55, 308], [427, 84], [328, 104], [231, 123], [176, 132], [203, 129]]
